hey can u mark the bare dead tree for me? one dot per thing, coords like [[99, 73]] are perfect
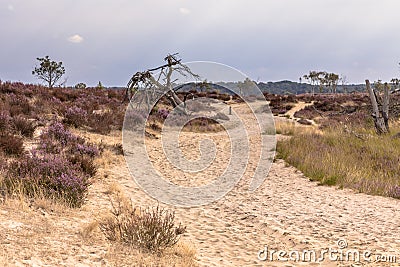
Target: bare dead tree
[[153, 83], [381, 116]]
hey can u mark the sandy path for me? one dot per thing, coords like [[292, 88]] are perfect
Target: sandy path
[[288, 212], [298, 106]]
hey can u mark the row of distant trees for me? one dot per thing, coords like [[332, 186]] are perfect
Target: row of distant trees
[[324, 80]]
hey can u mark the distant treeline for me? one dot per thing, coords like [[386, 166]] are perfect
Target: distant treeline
[[281, 88], [289, 87]]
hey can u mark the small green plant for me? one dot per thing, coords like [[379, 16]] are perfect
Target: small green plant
[[151, 229]]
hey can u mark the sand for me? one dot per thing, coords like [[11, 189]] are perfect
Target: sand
[[287, 212]]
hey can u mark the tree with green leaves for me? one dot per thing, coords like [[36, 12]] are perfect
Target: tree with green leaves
[[80, 86], [313, 78], [332, 80], [49, 71], [322, 79]]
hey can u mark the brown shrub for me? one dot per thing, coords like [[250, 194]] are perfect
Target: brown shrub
[[23, 126], [11, 145], [151, 229]]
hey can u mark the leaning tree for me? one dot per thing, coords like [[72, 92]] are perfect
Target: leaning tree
[[154, 83]]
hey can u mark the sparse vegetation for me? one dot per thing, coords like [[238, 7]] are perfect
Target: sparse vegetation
[[59, 168], [285, 127], [338, 157], [47, 153], [151, 229], [11, 145]]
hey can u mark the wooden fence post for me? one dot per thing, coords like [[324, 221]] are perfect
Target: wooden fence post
[[385, 106], [381, 121]]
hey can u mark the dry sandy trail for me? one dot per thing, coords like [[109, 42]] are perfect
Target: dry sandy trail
[[288, 212]]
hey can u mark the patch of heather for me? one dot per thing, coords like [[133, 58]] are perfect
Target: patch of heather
[[75, 116], [59, 168], [51, 174]]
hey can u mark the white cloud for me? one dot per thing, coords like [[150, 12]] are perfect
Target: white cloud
[[10, 7], [184, 11], [75, 39]]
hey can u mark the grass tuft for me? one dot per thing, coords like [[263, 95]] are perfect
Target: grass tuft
[[151, 229]]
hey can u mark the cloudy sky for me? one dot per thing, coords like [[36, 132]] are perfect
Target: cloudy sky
[[269, 40]]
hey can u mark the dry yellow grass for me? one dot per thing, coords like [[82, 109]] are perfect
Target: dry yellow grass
[[89, 229], [356, 158], [183, 255], [290, 127]]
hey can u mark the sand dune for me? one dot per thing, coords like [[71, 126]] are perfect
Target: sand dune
[[288, 212]]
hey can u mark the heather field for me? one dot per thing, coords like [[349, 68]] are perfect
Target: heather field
[[67, 197]]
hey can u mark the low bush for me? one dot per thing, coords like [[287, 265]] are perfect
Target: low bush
[[11, 145], [203, 125], [23, 126], [47, 174], [4, 122], [101, 123], [84, 163], [220, 116], [133, 119], [307, 113], [151, 229], [19, 104], [118, 149], [75, 117], [57, 132], [59, 168]]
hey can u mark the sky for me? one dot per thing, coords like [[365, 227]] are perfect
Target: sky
[[268, 40]]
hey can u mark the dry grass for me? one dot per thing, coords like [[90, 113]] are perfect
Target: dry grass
[[285, 127], [289, 127], [114, 189], [183, 255], [151, 230], [89, 229], [120, 254], [370, 164]]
